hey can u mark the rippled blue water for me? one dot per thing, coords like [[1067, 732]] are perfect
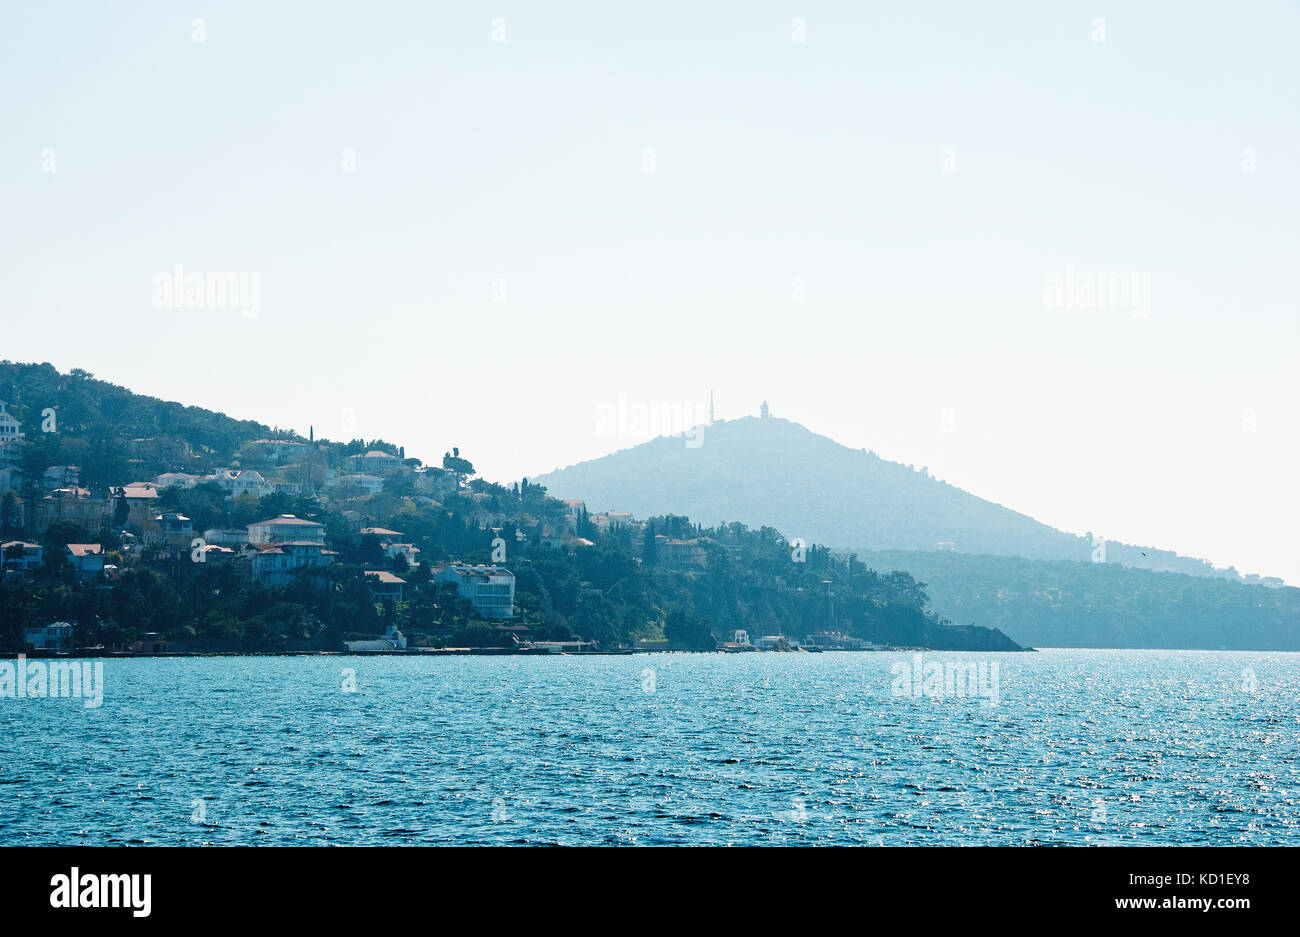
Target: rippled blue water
[[1083, 747]]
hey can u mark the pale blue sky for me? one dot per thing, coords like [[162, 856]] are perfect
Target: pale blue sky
[[518, 165]]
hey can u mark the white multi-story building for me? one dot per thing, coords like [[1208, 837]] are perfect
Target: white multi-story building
[[490, 588], [286, 528]]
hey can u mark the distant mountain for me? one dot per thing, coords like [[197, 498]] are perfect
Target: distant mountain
[[772, 472]]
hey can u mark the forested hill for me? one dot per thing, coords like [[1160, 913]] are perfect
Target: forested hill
[[778, 473], [1047, 603], [95, 420]]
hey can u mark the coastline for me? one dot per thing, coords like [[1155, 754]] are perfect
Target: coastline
[[483, 652]]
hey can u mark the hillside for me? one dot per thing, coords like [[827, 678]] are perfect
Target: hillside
[[775, 472], [174, 557], [94, 422]]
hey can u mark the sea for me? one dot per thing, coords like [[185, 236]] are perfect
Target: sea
[[1056, 747]]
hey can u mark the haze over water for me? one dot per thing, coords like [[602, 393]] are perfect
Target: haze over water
[[1083, 747]]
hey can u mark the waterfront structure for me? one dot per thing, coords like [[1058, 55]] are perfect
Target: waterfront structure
[[393, 640], [573, 646], [56, 636]]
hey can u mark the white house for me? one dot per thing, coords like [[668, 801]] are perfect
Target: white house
[[56, 636], [490, 588], [286, 527], [241, 482]]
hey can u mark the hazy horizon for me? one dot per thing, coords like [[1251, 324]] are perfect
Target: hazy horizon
[[1049, 258]]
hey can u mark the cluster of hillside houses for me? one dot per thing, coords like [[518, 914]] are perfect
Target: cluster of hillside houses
[[274, 550]]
